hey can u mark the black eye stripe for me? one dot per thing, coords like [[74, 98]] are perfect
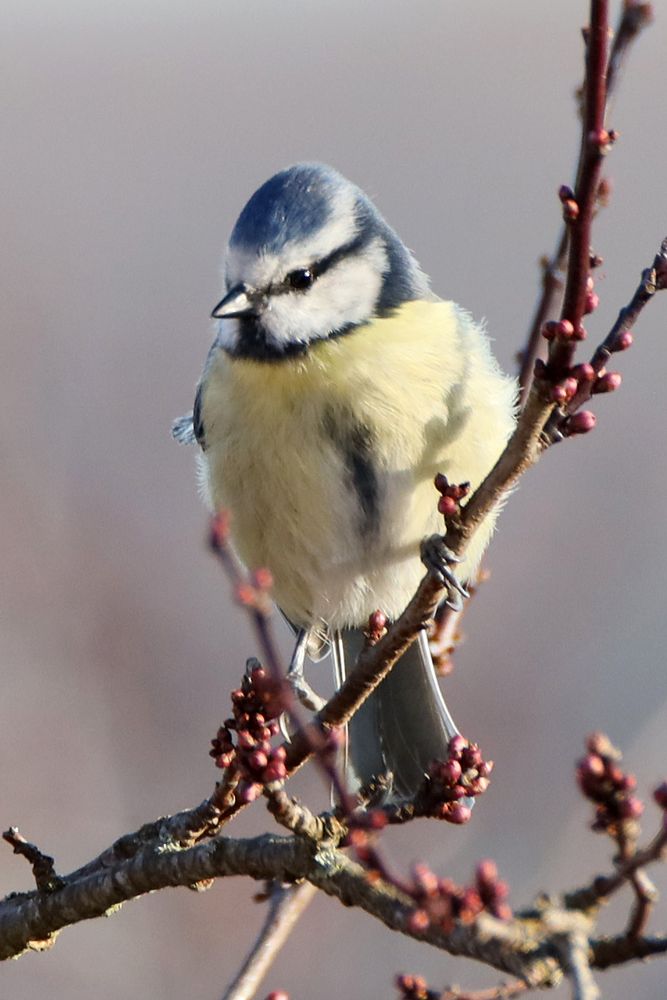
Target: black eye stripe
[[319, 267]]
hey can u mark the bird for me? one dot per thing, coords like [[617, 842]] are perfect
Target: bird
[[338, 385]]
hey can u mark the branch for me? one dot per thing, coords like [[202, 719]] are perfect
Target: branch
[[32, 920], [609, 951], [604, 886], [633, 18], [286, 905], [570, 935], [42, 865]]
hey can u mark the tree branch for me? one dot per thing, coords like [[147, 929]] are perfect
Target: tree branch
[[286, 905]]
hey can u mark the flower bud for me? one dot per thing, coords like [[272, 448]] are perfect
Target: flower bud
[[457, 745], [447, 506], [377, 622], [608, 382], [249, 792], [599, 137], [450, 772], [425, 880], [623, 341], [459, 814], [631, 808], [258, 760], [592, 766], [487, 872], [592, 302], [570, 210], [581, 422], [584, 373], [418, 922], [263, 579], [275, 770]]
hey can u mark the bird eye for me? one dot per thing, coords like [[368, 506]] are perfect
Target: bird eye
[[300, 279]]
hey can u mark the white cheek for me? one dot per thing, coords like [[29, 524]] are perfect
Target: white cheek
[[345, 295]]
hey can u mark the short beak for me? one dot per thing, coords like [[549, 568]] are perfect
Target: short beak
[[237, 302]]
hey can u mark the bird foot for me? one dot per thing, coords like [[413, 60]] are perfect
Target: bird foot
[[439, 559], [304, 693]]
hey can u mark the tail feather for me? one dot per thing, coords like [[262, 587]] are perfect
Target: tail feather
[[403, 725]]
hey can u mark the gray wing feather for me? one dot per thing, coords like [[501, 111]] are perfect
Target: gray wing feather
[[189, 429], [182, 430]]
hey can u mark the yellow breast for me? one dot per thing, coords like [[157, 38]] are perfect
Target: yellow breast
[[276, 460]]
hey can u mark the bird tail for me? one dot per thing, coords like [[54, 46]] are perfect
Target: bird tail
[[403, 725]]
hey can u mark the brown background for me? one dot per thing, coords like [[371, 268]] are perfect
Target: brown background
[[135, 132]]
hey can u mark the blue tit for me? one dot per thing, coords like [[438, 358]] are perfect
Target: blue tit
[[338, 385]]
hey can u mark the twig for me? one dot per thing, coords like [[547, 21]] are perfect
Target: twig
[[575, 956], [595, 141], [653, 279], [633, 18], [46, 878], [646, 895], [299, 819], [506, 991], [547, 306], [445, 634], [609, 951], [534, 426], [605, 886], [286, 905]]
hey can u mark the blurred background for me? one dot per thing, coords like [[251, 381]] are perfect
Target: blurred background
[[134, 133]]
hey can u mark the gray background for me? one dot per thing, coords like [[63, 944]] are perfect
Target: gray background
[[135, 131]]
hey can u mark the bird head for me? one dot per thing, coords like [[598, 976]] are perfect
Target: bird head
[[309, 258]]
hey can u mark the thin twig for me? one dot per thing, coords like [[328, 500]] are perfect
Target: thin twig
[[610, 951], [286, 905], [632, 19], [646, 896], [506, 991], [605, 886], [43, 870], [299, 819], [575, 957], [653, 279]]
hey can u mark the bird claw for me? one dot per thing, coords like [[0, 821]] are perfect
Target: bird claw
[[304, 694], [301, 689], [438, 558]]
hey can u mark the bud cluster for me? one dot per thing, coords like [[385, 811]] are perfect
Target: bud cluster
[[442, 903], [451, 495], [453, 782], [493, 891], [256, 707], [611, 789], [413, 988]]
